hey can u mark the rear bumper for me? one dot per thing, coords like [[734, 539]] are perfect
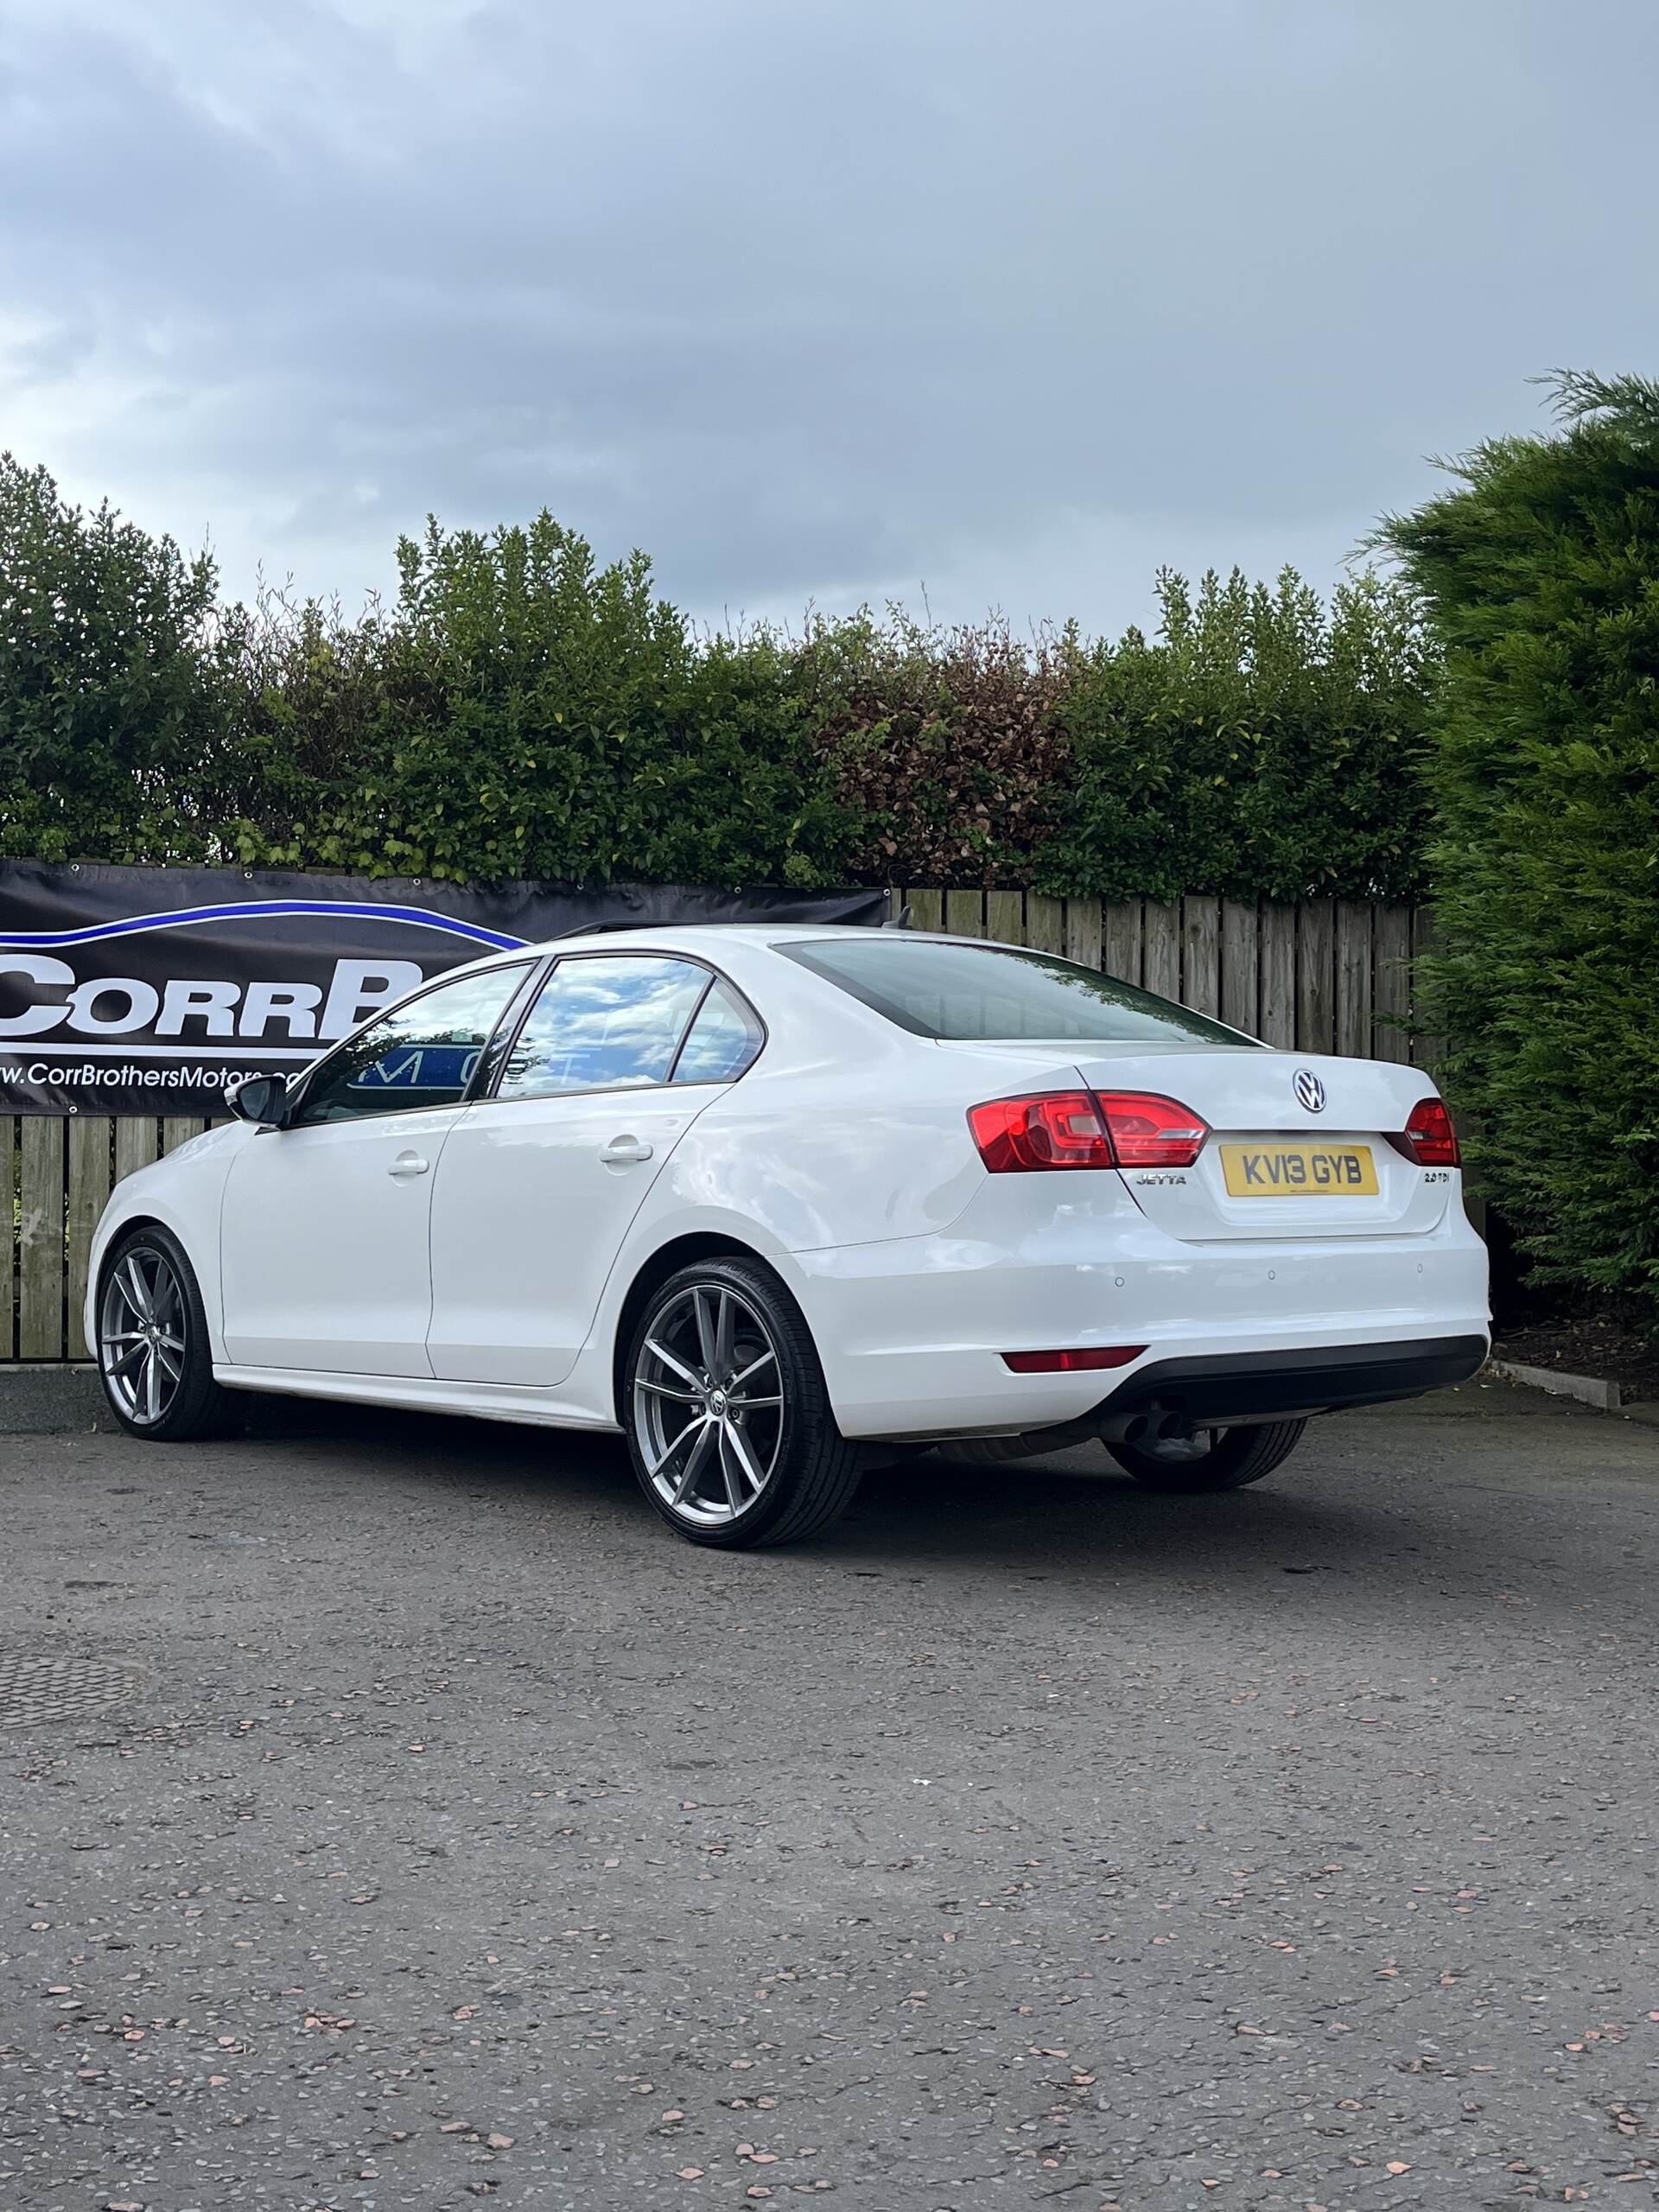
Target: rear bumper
[[1239, 1387], [911, 1330]]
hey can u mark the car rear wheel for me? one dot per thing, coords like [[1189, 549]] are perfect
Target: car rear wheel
[[1210, 1459], [728, 1421], [153, 1352]]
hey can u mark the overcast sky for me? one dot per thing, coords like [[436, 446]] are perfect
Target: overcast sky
[[814, 300]]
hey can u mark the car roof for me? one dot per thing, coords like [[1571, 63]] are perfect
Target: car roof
[[707, 940], [704, 936]]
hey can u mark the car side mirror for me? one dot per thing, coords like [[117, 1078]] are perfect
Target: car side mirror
[[262, 1098]]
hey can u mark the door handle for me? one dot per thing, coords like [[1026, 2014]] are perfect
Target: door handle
[[407, 1163], [623, 1151]]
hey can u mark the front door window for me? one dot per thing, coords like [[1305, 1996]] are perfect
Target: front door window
[[420, 1054]]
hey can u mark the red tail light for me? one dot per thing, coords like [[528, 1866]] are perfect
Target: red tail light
[[1086, 1129], [1430, 1139], [1150, 1131], [1056, 1128]]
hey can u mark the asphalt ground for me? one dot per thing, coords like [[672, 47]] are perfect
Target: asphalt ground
[[460, 1835]]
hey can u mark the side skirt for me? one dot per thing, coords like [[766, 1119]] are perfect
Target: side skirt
[[421, 1394]]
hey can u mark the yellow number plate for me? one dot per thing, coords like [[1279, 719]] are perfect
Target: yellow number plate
[[1299, 1171]]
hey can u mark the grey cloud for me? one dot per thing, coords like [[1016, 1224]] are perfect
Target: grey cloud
[[823, 299]]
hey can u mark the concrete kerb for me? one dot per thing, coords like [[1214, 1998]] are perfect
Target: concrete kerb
[[1588, 1390]]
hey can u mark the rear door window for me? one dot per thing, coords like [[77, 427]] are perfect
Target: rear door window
[[603, 1022], [723, 1040]]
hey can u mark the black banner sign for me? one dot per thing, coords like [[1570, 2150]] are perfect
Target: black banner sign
[[143, 990]]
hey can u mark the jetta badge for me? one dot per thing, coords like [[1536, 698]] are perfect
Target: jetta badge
[[1310, 1091]]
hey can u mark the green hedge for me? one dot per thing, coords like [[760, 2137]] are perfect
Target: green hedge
[[1261, 745], [1542, 572], [112, 712], [517, 710]]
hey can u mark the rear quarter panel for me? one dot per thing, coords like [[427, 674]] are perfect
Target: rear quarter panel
[[829, 1153]]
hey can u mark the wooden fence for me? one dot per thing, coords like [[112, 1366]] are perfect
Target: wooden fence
[[1322, 977]]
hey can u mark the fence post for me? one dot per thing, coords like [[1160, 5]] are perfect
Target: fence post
[[1241, 967], [1161, 969], [1045, 923], [1201, 954], [1316, 977], [1391, 983], [90, 1140], [1278, 975], [41, 1240], [1353, 978], [964, 913], [1005, 918], [1083, 932], [1121, 936], [135, 1145]]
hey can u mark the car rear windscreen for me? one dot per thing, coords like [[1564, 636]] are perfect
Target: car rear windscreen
[[975, 993]]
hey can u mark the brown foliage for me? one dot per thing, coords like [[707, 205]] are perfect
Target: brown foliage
[[945, 746]]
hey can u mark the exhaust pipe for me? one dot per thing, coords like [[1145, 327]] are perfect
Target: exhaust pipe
[[1147, 1425], [1121, 1428], [1151, 1424]]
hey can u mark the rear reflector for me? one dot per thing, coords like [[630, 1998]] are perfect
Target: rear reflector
[[1086, 1129], [1430, 1139], [1071, 1362]]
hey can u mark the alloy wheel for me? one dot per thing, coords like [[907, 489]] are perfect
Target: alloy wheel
[[708, 1404], [141, 1335]]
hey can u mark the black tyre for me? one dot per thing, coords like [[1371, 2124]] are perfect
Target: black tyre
[[153, 1350], [1212, 1459], [728, 1419]]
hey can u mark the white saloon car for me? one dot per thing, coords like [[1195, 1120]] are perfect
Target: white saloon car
[[774, 1201]]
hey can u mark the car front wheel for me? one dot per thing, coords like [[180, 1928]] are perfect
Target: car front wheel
[[153, 1351], [729, 1422], [1210, 1459]]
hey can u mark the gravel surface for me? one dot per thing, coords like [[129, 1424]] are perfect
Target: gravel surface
[[426, 1825]]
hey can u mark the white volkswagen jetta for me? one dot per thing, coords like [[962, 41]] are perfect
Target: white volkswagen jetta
[[773, 1201]]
